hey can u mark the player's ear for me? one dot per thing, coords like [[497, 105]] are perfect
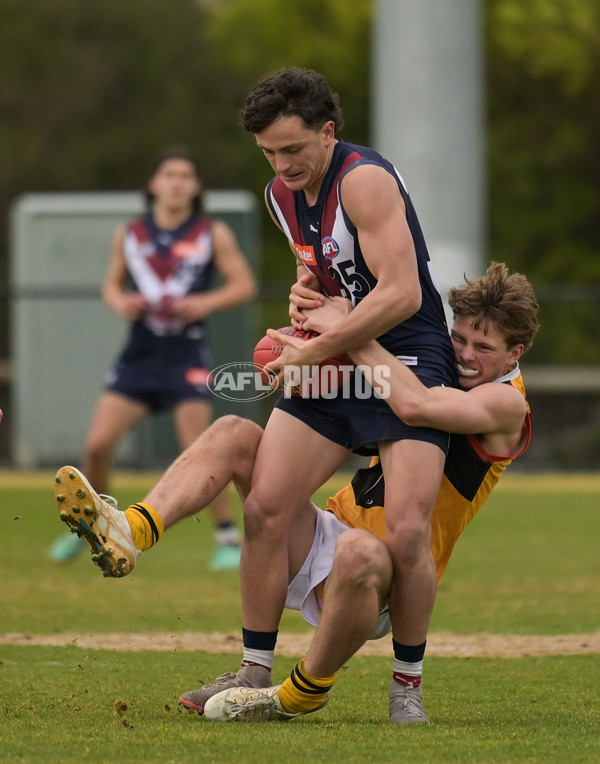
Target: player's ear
[[516, 352], [328, 132]]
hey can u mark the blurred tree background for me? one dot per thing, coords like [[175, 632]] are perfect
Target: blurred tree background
[[90, 92]]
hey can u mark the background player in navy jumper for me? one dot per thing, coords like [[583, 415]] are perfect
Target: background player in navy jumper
[[159, 279], [350, 223]]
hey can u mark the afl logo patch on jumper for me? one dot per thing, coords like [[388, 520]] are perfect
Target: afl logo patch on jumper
[[329, 247]]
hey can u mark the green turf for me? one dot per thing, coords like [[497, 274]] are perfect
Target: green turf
[[527, 565], [68, 705], [170, 589]]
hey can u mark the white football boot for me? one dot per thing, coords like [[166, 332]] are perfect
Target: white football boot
[[245, 704], [90, 515]]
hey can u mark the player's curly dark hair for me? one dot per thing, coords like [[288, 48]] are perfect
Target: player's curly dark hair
[[175, 152], [292, 91], [499, 298]]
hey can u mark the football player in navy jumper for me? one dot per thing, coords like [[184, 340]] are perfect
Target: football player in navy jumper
[[350, 223], [159, 279]]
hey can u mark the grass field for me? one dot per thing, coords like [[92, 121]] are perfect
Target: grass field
[[528, 565]]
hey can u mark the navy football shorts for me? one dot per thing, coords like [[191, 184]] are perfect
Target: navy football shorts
[[359, 423], [163, 372]]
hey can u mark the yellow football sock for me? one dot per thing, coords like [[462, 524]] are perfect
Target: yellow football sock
[[147, 526], [303, 692]]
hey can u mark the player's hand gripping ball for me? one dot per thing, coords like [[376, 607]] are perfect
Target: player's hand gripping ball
[[309, 382]]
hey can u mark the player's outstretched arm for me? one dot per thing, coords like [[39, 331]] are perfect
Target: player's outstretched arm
[[488, 408]]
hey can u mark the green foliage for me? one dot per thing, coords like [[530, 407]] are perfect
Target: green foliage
[[544, 168], [557, 38], [544, 124], [568, 329], [89, 92], [319, 34], [94, 90]]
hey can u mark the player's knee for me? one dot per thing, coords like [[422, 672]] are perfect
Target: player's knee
[[264, 517], [234, 426], [240, 436], [408, 541], [231, 439], [361, 559]]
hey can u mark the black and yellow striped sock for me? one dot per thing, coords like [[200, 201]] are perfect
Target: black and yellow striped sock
[[147, 526], [303, 692]]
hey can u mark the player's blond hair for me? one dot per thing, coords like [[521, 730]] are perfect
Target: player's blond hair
[[505, 300]]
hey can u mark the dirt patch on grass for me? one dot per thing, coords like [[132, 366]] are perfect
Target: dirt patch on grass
[[442, 644]]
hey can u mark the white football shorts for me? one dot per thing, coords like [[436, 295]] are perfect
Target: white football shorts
[[302, 593]]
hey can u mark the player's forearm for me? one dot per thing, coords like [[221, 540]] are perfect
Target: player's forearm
[[406, 395], [113, 294], [443, 408]]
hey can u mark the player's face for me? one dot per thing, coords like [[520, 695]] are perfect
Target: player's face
[[175, 184], [481, 356], [298, 155]]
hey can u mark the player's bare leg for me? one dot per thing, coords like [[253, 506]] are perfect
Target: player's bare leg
[[356, 590], [223, 453], [192, 418], [413, 471], [252, 675], [361, 580], [292, 462], [286, 474], [114, 416]]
